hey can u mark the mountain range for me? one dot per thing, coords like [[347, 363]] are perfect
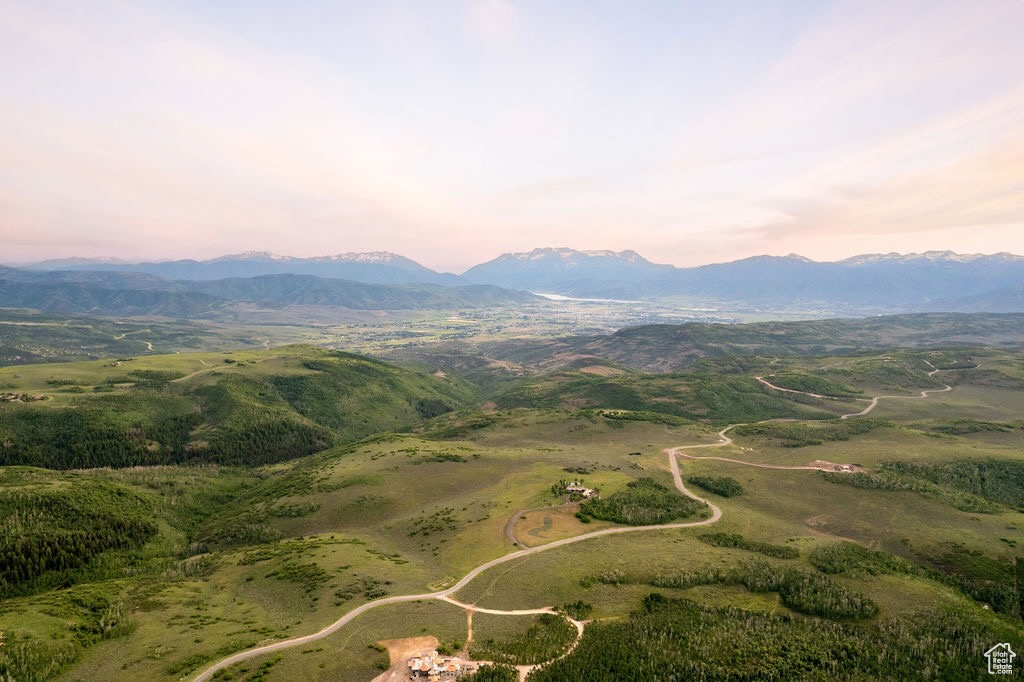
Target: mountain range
[[864, 284], [121, 293], [377, 267], [885, 282]]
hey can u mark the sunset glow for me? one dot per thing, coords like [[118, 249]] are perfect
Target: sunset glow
[[452, 132]]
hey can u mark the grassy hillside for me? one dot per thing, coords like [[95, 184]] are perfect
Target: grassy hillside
[[32, 337], [151, 572], [711, 397], [283, 552], [213, 299], [672, 348], [250, 407]]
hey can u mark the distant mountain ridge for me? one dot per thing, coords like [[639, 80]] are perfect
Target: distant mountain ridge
[[866, 283], [859, 285], [135, 294], [376, 267], [568, 271]]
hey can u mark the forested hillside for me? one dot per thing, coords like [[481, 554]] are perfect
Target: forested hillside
[[264, 406]]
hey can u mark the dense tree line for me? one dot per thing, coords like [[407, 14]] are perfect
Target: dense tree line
[[49, 537], [83, 438], [740, 542], [996, 480], [969, 485], [809, 383], [849, 558], [800, 590], [997, 582], [799, 434], [644, 502], [726, 486], [242, 418], [676, 639], [545, 639]]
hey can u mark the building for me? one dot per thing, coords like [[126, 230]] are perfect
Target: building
[[435, 668], [580, 489]]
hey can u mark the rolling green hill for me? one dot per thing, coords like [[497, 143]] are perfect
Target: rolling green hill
[[214, 299], [249, 408], [711, 397], [671, 348], [200, 504]]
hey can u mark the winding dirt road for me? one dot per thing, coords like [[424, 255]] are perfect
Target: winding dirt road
[[524, 670], [446, 594], [673, 454], [791, 390], [873, 402], [149, 345]]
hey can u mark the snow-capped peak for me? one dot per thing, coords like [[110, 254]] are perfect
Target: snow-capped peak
[[567, 254], [365, 257], [252, 255], [931, 256]]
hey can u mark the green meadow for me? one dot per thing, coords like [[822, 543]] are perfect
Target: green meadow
[[163, 512]]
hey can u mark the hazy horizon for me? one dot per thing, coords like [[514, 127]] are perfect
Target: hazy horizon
[[460, 271], [451, 133]]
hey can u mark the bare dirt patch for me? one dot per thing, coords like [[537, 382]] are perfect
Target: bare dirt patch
[[819, 521], [401, 650], [541, 526], [601, 370], [838, 468]]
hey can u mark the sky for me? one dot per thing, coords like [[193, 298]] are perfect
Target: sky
[[453, 131]]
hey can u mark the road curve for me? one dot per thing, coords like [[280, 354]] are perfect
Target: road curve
[[751, 464], [497, 612], [924, 394], [790, 390], [446, 594], [510, 527], [871, 406], [524, 670]]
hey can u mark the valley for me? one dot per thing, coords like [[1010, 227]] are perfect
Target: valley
[[273, 513], [511, 341]]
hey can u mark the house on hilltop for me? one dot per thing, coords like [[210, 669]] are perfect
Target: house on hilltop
[[580, 489], [435, 668]]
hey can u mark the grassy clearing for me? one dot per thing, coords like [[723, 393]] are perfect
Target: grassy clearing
[[542, 527], [251, 555], [520, 640], [351, 653]]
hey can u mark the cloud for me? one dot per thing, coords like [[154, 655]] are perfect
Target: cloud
[[558, 187], [971, 204], [456, 133]]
